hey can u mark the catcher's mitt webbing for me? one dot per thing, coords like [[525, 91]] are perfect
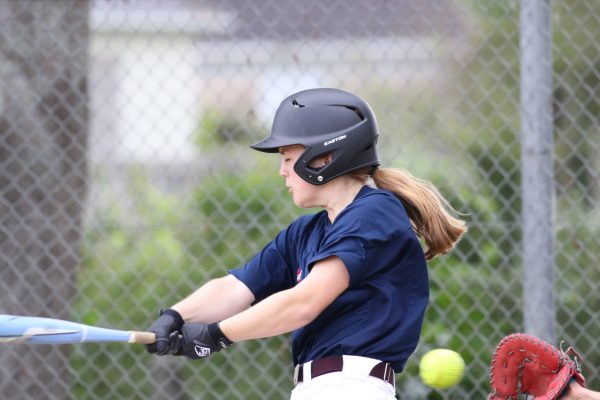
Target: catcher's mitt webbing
[[525, 365]]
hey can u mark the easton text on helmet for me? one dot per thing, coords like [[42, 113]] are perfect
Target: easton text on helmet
[[337, 139]]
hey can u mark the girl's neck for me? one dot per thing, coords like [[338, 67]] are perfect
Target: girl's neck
[[340, 195]]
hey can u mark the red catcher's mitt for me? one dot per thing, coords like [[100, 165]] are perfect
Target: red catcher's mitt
[[525, 365]]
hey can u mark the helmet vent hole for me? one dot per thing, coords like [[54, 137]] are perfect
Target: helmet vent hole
[[296, 104], [356, 111]]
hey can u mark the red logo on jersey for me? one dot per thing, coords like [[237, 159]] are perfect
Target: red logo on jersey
[[299, 275]]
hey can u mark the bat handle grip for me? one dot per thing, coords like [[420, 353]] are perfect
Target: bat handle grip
[[142, 337]]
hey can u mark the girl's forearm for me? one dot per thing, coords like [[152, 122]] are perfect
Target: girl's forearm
[[216, 300], [280, 313]]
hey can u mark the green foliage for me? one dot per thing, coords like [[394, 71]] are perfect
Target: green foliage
[[576, 99], [129, 254], [218, 128], [577, 277], [240, 213]]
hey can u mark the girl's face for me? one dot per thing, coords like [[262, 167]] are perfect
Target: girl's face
[[304, 194]]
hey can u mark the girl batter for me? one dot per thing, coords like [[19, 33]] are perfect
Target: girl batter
[[350, 281]]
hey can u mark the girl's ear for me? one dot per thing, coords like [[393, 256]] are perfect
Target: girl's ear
[[322, 161]]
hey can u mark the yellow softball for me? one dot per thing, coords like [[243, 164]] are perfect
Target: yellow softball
[[441, 368]]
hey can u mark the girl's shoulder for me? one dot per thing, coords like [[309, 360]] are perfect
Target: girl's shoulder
[[307, 221]]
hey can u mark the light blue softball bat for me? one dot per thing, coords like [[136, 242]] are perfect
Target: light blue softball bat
[[39, 330]]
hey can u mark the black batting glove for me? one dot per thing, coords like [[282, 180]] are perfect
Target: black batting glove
[[168, 324], [198, 340]]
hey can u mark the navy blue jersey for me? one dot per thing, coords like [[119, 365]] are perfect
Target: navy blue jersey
[[381, 313]]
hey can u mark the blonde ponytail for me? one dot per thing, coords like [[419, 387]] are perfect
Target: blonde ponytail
[[430, 213]]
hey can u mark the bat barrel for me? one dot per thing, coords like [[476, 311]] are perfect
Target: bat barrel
[[38, 330]]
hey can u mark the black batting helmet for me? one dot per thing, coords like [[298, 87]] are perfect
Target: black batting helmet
[[325, 121]]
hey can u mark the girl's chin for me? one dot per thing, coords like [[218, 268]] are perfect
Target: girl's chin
[[304, 204], [298, 202]]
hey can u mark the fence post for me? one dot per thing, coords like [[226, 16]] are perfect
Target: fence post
[[537, 183]]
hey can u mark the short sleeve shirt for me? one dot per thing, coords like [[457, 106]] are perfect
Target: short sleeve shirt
[[381, 312]]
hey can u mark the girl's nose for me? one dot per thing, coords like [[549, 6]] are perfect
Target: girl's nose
[[282, 170]]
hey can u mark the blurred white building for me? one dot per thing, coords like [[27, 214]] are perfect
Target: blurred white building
[[157, 66]]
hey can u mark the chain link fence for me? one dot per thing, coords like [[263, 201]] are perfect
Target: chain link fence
[[126, 179]]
